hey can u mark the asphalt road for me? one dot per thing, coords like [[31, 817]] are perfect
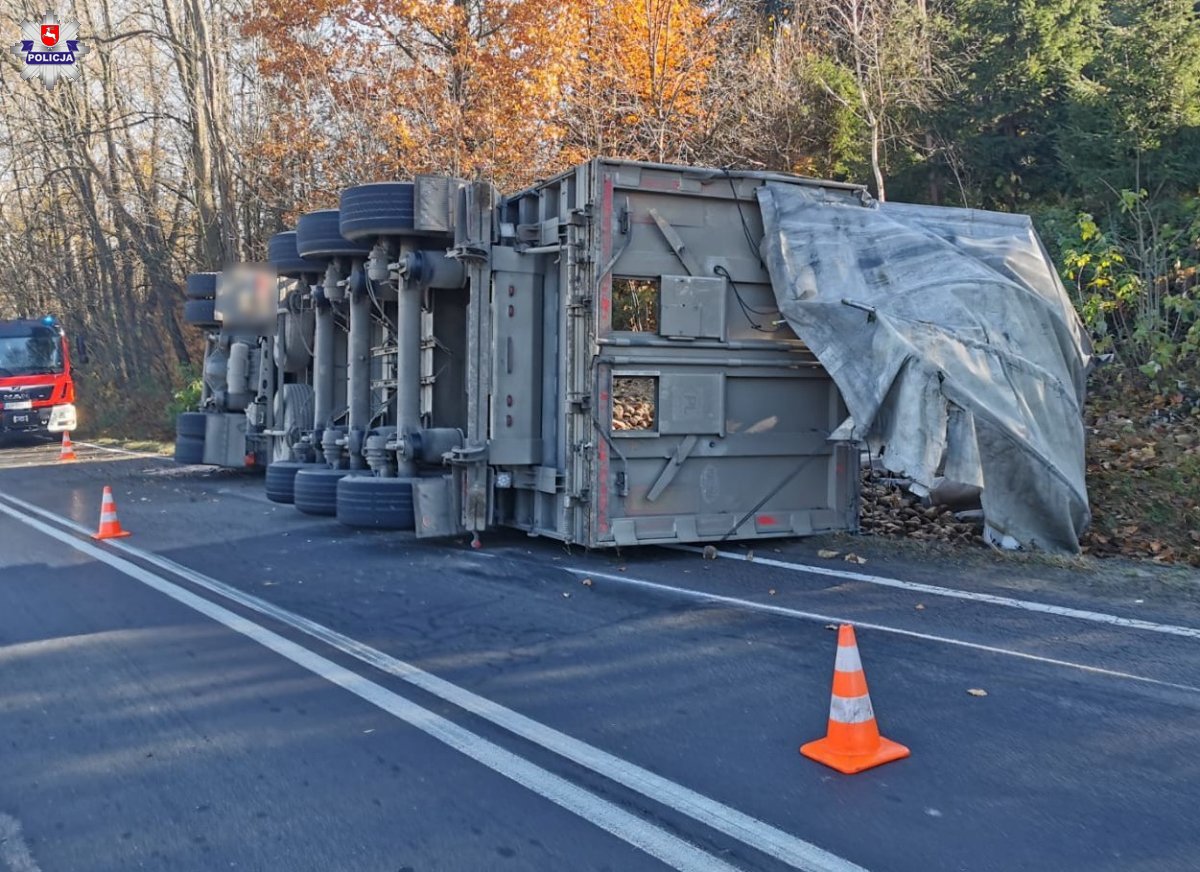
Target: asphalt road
[[239, 686]]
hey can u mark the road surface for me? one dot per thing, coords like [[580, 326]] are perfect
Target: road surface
[[238, 686]]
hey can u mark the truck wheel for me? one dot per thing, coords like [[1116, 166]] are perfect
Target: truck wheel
[[314, 491], [293, 341], [191, 424], [378, 209], [317, 235], [281, 479], [284, 256], [189, 449], [201, 313], [293, 415], [378, 503], [201, 286]]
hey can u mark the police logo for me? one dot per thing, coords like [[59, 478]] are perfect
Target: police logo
[[50, 50]]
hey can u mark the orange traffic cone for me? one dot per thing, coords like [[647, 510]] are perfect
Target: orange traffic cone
[[68, 450], [852, 743], [110, 527]]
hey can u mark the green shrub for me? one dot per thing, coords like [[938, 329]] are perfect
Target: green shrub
[[187, 397], [1136, 280]]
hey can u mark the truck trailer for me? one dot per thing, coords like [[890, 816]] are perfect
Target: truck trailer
[[598, 359]]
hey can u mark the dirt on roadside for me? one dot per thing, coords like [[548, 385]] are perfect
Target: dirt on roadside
[[1143, 468], [1144, 472]]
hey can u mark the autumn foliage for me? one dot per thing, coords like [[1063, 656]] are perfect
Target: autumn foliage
[[506, 90], [642, 92]]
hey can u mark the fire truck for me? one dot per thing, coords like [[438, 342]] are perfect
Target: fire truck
[[37, 393]]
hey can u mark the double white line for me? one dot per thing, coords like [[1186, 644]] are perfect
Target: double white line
[[656, 841]]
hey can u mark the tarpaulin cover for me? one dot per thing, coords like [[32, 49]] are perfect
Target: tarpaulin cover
[[953, 342]]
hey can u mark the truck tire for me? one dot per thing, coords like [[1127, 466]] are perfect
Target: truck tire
[[294, 340], [201, 313], [285, 257], [201, 286], [189, 449], [293, 414], [191, 424], [378, 209], [281, 480], [317, 235], [314, 490], [376, 503]]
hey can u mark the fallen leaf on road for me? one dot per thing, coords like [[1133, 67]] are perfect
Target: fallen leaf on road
[[749, 555], [771, 592], [831, 626], [920, 607], [827, 555], [854, 558], [976, 691], [710, 552], [566, 595], [587, 582]]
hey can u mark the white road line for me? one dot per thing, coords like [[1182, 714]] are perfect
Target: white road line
[[112, 450], [14, 853], [46, 454], [743, 827], [783, 611], [975, 596], [701, 596], [656, 842]]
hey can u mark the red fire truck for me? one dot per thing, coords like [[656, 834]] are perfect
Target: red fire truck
[[37, 393]]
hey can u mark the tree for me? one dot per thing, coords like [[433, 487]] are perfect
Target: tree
[[877, 59], [117, 185], [641, 93], [1019, 63], [771, 103], [469, 88], [1134, 120]]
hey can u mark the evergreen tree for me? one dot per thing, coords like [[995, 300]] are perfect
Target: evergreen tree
[[1134, 122], [1021, 62]]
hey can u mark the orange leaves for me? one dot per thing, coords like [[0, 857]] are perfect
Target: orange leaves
[[472, 88], [509, 90], [648, 66]]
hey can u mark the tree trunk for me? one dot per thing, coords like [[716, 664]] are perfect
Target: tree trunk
[[876, 167]]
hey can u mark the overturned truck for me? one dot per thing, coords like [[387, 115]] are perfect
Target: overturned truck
[[600, 359]]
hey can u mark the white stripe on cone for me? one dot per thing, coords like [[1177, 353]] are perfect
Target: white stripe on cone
[[851, 709], [848, 659]]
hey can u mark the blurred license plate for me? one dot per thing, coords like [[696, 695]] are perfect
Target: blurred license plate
[[19, 404], [20, 419]]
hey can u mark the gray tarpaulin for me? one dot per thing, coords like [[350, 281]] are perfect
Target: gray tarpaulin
[[961, 356]]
